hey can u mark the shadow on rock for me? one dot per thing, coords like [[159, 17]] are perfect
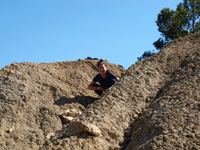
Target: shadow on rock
[[83, 100]]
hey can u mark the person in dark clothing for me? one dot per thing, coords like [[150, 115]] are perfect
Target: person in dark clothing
[[105, 78]]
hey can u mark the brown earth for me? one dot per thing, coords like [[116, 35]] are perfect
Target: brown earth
[[34, 98], [155, 105]]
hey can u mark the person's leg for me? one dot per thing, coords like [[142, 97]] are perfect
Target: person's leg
[[96, 91]]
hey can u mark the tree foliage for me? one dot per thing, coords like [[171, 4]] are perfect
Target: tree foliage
[[145, 55], [173, 24]]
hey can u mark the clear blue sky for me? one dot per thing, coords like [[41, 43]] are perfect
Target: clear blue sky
[[66, 30]]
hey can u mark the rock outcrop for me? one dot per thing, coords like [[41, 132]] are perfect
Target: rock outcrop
[[155, 105]]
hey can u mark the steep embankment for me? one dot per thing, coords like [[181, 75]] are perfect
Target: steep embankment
[[147, 108], [34, 98], [172, 121]]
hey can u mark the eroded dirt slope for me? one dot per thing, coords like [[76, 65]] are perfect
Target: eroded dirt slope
[[172, 121], [145, 110], [34, 98]]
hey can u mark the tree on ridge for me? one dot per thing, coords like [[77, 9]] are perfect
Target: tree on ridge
[[173, 24]]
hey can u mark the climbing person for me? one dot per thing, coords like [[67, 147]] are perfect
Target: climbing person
[[105, 78]]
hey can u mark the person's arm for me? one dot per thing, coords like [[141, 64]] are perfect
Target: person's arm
[[91, 87], [114, 76]]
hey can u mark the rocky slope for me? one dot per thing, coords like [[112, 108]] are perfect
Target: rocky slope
[[172, 120], [155, 105], [146, 109], [39, 99]]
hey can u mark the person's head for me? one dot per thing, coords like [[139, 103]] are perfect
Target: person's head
[[102, 66]]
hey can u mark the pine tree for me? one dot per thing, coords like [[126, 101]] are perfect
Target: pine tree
[[173, 24]]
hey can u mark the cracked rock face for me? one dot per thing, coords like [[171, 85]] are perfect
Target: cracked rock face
[[155, 105]]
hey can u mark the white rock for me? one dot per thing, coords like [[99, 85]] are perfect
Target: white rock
[[73, 113], [78, 127], [11, 130], [67, 119], [49, 135]]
